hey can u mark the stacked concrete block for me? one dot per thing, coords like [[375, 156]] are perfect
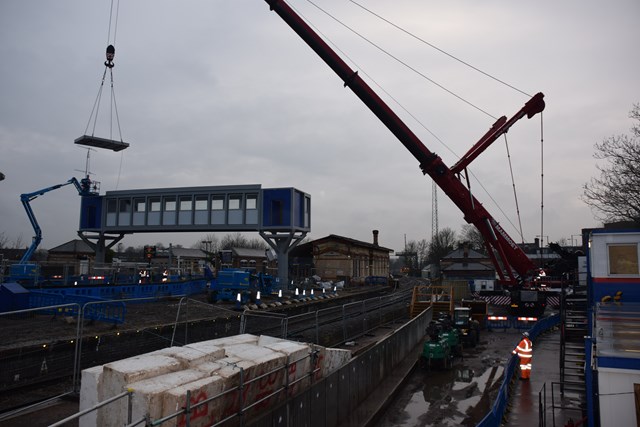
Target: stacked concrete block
[[244, 372], [148, 396]]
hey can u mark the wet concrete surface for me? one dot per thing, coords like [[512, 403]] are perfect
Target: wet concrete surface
[[459, 396], [464, 394], [528, 396]]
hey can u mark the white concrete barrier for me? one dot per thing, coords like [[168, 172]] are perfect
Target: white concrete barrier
[[241, 372]]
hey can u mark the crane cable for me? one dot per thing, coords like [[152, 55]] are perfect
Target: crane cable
[[108, 66], [520, 231]]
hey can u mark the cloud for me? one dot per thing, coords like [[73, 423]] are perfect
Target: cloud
[[219, 93]]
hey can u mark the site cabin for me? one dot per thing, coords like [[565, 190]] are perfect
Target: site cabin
[[613, 377]]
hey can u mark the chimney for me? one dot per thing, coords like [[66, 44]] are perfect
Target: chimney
[[375, 237]]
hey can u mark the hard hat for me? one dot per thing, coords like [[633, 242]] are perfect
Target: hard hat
[[525, 334]]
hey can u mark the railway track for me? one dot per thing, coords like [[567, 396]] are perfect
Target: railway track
[[36, 371]]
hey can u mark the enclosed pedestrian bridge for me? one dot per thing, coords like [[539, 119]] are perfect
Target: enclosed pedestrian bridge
[[282, 216]]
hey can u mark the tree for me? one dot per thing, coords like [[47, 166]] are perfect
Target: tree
[[238, 240], [615, 195], [472, 236], [443, 243]]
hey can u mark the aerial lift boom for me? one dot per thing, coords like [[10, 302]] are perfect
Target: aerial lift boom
[[512, 264], [84, 189]]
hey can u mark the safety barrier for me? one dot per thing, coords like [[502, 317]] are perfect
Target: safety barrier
[[498, 322], [101, 310], [506, 322], [494, 417]]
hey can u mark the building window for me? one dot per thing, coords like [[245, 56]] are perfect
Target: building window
[[139, 208], [169, 212], [112, 212], [217, 210], [623, 259], [124, 212], [235, 209], [202, 210], [251, 205], [154, 209], [186, 209]]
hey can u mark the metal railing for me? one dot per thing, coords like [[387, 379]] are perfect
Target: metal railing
[[332, 326], [495, 416]]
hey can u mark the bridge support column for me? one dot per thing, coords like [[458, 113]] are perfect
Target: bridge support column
[[282, 243], [100, 246]]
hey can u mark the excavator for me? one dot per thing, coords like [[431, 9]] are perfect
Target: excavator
[[516, 272]]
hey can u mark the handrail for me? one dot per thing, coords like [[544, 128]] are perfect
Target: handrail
[[494, 417]]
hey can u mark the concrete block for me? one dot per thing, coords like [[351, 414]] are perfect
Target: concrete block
[[118, 375], [90, 394], [201, 390], [332, 360], [263, 340], [149, 393], [190, 356], [299, 358]]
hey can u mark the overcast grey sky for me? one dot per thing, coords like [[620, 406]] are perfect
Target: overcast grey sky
[[223, 92]]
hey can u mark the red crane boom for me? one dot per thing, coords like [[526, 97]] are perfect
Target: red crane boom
[[512, 264]]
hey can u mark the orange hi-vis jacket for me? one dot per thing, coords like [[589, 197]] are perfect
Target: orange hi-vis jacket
[[524, 349]]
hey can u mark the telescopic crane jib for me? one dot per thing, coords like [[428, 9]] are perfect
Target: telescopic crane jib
[[512, 264]]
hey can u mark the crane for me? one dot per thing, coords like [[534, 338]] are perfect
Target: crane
[[515, 270]]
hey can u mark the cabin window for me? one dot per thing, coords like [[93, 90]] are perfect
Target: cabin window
[[186, 207], [169, 213], [153, 217], [235, 209], [201, 210], [139, 210], [251, 203], [217, 210], [623, 259]]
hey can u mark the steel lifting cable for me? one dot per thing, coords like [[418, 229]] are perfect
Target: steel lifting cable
[[108, 67], [513, 184], [505, 136]]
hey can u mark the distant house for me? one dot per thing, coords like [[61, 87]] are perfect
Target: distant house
[[185, 260], [466, 264], [258, 260], [541, 256], [73, 257], [340, 258]]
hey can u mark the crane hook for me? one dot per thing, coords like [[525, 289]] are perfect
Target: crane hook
[[111, 52]]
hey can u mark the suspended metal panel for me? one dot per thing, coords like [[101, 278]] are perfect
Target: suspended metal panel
[[94, 141]]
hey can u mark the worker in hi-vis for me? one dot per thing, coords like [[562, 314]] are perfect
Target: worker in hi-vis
[[524, 350]]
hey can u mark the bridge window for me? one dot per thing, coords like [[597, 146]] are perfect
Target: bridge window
[[169, 213], [124, 212], [252, 209], [112, 212], [186, 208], [623, 259], [202, 210], [235, 209], [138, 211], [217, 210], [154, 211]]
